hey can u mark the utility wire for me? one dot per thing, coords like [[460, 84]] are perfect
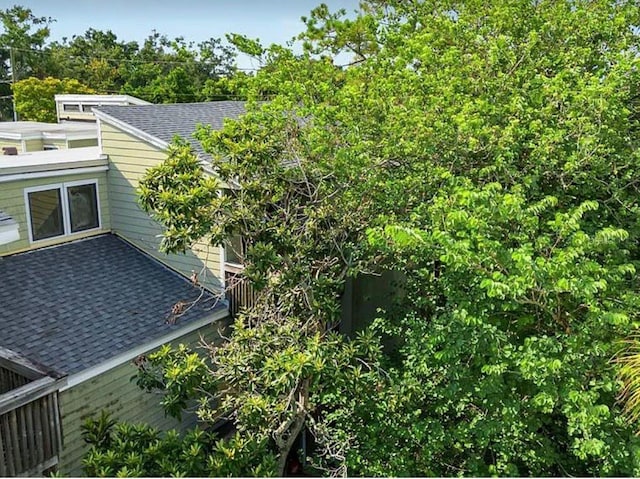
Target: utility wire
[[129, 60]]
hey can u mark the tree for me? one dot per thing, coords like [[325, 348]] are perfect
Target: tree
[[35, 99], [96, 58], [164, 71], [22, 39], [487, 151]]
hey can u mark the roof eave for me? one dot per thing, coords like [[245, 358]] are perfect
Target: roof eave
[[153, 140], [127, 128]]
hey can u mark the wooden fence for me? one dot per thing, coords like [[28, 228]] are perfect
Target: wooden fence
[[30, 430], [240, 294]]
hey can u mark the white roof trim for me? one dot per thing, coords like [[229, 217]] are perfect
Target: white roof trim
[[20, 136], [52, 173], [92, 372], [107, 99]]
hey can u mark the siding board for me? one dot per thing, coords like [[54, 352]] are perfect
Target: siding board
[[129, 160], [115, 392], [12, 202]]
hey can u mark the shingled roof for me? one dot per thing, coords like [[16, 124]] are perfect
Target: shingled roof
[[76, 305], [163, 122]]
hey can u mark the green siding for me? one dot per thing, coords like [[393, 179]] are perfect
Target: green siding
[[129, 159], [12, 202], [16, 143], [82, 143], [33, 145], [115, 392]]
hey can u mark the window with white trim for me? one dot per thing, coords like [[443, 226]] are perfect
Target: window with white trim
[[62, 209], [234, 249]]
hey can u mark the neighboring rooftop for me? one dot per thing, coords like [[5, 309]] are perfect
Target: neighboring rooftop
[[158, 124], [31, 130], [40, 161], [74, 306], [80, 106]]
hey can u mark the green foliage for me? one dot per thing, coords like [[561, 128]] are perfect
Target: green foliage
[[126, 450], [26, 34], [181, 373], [160, 70], [22, 37], [35, 99], [507, 347], [486, 151]]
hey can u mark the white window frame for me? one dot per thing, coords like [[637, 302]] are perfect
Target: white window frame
[[66, 216]]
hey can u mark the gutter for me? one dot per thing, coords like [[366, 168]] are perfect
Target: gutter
[[52, 173]]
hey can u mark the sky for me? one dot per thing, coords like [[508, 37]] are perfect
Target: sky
[[272, 21]]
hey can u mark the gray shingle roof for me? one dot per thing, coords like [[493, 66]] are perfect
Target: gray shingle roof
[[76, 305], [166, 121]]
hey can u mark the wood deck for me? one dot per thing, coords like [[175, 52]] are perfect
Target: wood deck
[[30, 432]]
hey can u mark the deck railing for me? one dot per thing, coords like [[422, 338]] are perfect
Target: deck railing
[[240, 294], [30, 431]]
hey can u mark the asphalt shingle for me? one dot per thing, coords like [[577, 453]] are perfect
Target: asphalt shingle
[[76, 305], [167, 120]]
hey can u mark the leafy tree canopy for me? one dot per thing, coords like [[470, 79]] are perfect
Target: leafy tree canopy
[[160, 70], [35, 99], [486, 152]]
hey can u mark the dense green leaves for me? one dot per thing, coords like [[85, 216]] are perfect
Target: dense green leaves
[[486, 153], [160, 70], [35, 99], [126, 450]]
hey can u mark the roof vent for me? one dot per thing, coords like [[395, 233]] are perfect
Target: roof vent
[[9, 150]]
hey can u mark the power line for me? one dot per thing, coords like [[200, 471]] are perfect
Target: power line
[[143, 62], [127, 60]]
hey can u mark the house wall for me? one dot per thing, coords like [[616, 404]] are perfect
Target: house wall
[[61, 144], [115, 392], [82, 143], [16, 143], [12, 202], [129, 159], [33, 145]]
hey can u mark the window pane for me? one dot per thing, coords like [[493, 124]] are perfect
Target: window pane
[[233, 249], [83, 207], [45, 208], [71, 107]]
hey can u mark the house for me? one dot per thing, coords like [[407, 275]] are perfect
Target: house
[[73, 107], [30, 136], [84, 289], [76, 126], [136, 138]]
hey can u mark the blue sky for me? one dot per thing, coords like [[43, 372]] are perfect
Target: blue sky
[[273, 21]]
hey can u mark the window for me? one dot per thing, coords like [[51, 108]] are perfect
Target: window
[[62, 209], [88, 108], [45, 209], [234, 250], [235, 246], [71, 107]]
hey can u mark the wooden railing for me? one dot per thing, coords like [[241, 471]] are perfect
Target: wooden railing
[[240, 294], [30, 431]]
